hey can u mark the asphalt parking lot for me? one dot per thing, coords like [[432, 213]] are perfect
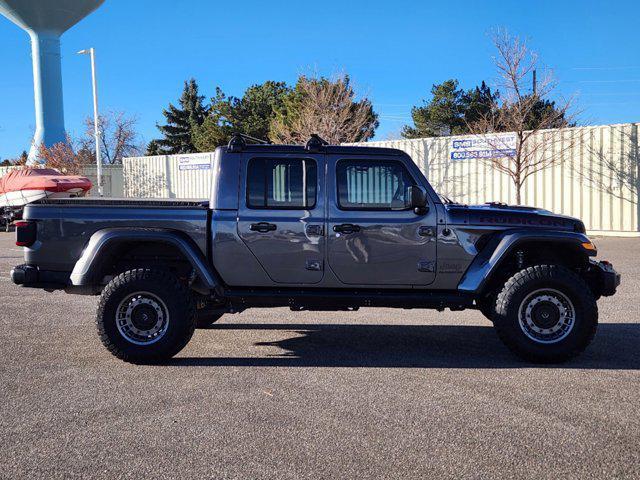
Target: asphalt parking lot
[[275, 394]]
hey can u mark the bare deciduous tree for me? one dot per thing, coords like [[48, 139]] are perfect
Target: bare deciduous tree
[[326, 107], [118, 137], [524, 113], [66, 157]]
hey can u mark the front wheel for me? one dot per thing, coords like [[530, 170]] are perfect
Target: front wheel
[[145, 316], [487, 306], [546, 314]]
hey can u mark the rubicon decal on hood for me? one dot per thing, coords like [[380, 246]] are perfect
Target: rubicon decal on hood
[[525, 220]]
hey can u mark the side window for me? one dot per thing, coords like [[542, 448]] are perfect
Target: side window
[[373, 185], [281, 183]]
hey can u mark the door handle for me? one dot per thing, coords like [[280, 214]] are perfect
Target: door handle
[[346, 228], [263, 227], [425, 231]]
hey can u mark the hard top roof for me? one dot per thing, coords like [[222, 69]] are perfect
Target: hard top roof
[[329, 149]]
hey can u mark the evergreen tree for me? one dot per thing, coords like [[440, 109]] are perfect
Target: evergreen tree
[[251, 114], [153, 148], [442, 115], [177, 133], [545, 114], [478, 103], [450, 111]]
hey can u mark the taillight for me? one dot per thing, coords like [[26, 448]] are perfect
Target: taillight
[[25, 233]]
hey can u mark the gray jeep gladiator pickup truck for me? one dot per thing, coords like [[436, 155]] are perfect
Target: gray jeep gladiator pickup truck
[[315, 227]]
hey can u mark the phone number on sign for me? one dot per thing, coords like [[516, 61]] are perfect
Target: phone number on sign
[[508, 152]]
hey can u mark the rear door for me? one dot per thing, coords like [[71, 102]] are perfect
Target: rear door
[[281, 215], [374, 236]]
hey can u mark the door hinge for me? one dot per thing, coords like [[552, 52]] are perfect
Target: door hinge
[[426, 266], [425, 231], [314, 265]]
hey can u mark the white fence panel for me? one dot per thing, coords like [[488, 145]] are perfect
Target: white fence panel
[[112, 180], [595, 177], [168, 176]]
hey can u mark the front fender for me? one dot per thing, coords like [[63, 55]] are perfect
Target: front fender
[[489, 259], [105, 240]]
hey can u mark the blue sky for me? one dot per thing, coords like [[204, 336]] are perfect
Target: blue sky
[[394, 52]]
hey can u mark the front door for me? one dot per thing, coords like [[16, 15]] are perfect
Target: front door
[[374, 236], [281, 216]]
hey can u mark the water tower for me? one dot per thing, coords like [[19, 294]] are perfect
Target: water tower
[[45, 21]]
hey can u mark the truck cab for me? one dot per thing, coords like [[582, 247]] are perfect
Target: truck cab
[[335, 217]]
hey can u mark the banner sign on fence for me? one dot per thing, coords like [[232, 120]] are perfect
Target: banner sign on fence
[[496, 145], [194, 162]]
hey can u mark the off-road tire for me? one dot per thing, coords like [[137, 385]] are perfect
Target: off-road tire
[[549, 276], [487, 306], [175, 296], [206, 318]]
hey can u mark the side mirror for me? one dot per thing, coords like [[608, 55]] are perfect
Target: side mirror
[[418, 198]]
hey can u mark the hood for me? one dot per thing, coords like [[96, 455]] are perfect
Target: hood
[[505, 216]]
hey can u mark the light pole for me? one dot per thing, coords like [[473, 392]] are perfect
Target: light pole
[[96, 119]]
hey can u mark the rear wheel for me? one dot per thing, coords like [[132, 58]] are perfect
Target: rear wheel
[[145, 316], [546, 314]]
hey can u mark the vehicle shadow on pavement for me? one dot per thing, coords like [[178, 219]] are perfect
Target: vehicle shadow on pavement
[[414, 346]]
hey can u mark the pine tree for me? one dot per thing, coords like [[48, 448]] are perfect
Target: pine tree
[[181, 121], [153, 148], [250, 114], [452, 111], [442, 115], [478, 103]]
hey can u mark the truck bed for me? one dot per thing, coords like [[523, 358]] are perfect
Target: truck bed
[[126, 202], [65, 226]]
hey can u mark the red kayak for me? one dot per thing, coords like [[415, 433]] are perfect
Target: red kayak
[[19, 187]]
